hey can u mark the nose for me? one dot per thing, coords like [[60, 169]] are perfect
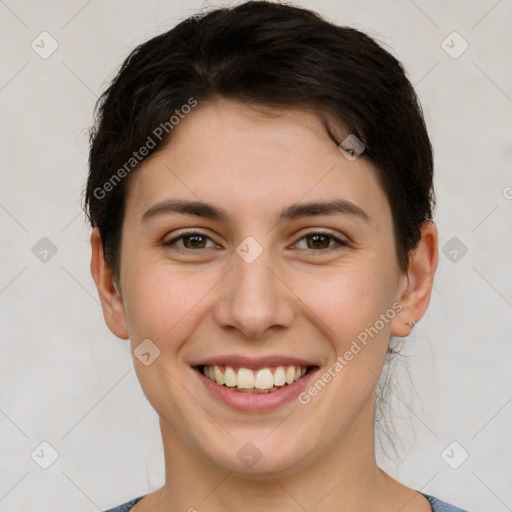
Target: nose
[[255, 297]]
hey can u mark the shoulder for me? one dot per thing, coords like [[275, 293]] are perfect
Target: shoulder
[[437, 505], [125, 507], [441, 506]]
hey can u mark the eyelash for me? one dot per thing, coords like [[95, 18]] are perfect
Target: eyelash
[[186, 234]]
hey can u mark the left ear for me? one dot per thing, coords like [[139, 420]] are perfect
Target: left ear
[[417, 283]]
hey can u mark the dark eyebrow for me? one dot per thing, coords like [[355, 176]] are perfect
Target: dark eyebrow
[[292, 212], [198, 208], [296, 211]]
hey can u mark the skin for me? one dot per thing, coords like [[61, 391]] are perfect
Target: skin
[[295, 299]]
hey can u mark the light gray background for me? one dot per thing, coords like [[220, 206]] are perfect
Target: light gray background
[[66, 380]]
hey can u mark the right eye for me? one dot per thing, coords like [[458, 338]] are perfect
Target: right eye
[[191, 240]]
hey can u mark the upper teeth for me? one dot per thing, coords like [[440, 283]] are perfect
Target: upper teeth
[[259, 379]]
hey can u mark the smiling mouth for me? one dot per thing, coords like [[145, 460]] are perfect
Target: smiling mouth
[[261, 381]]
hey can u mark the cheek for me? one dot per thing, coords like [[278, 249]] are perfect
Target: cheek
[[160, 301], [348, 299]]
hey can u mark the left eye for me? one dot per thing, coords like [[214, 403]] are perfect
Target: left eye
[[314, 240], [321, 241]]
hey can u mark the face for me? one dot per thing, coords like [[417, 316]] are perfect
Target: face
[[253, 279]]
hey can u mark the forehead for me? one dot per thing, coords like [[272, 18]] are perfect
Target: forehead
[[231, 154]]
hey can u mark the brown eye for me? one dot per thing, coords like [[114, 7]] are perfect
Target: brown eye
[[190, 240], [194, 241], [318, 241], [321, 241]]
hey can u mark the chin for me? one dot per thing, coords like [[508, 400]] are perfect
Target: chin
[[257, 457]]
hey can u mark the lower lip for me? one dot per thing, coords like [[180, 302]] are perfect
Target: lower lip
[[256, 402]]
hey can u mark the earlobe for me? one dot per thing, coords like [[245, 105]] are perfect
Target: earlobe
[[110, 296], [415, 292]]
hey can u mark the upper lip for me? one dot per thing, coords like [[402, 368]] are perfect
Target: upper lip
[[253, 362]]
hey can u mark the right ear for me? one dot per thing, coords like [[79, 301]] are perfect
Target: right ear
[[110, 297]]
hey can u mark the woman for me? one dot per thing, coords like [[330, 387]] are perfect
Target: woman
[[261, 197]]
